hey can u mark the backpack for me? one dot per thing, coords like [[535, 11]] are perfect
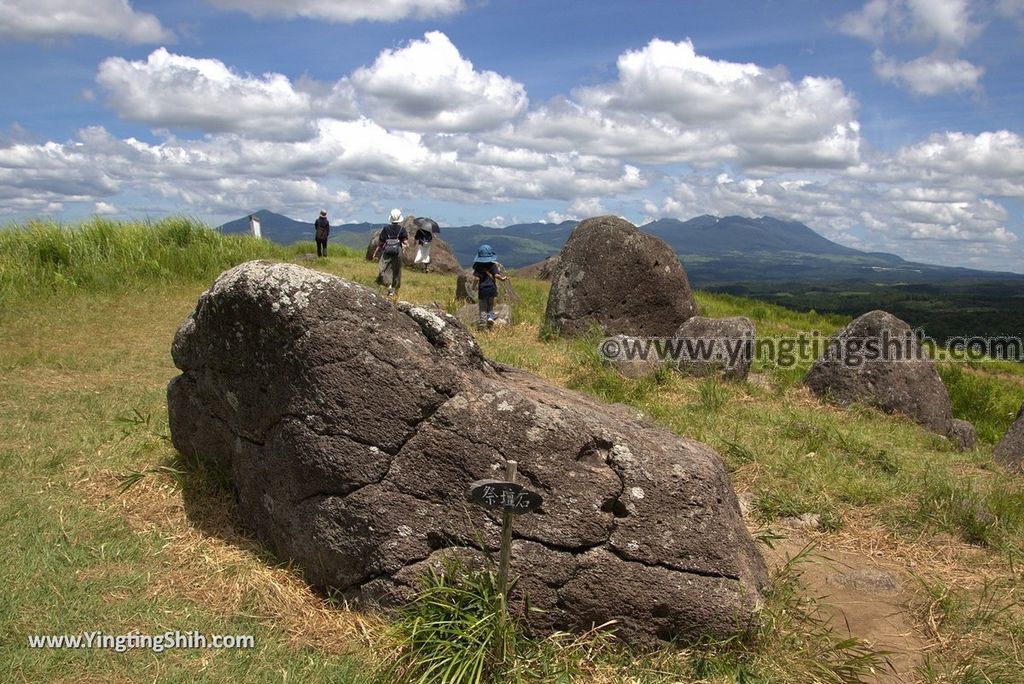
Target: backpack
[[393, 245]]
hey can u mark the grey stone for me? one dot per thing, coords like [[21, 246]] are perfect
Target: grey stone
[[910, 386], [464, 287], [350, 429], [866, 580], [630, 365], [733, 346], [805, 521], [1010, 451], [613, 277], [962, 434]]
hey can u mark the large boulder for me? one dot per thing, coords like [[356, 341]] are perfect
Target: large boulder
[[351, 428], [716, 346], [1010, 450], [878, 360], [620, 280]]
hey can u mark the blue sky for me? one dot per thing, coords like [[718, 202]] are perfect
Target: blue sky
[[893, 125]]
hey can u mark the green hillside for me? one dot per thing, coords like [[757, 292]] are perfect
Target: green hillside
[[102, 527]]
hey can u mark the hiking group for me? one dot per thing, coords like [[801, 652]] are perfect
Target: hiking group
[[393, 240]]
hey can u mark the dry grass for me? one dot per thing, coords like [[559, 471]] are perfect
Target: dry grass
[[206, 558]]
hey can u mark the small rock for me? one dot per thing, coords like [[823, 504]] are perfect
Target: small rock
[[867, 580], [962, 435], [805, 521], [727, 344]]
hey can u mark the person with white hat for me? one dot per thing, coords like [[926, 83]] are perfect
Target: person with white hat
[[390, 245]]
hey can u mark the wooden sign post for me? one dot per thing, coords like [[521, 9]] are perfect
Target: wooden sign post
[[510, 498]]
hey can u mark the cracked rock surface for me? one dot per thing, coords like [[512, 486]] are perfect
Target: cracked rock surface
[[351, 429]]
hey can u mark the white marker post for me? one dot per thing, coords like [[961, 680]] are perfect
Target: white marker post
[[254, 226]]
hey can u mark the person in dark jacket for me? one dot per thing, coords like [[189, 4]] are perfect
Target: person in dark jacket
[[323, 231], [390, 245], [487, 274]]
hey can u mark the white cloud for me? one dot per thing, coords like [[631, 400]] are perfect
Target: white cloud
[[869, 23], [558, 217], [989, 163], [947, 25], [929, 75], [947, 22], [716, 137], [671, 104], [588, 206], [52, 19], [428, 86], [104, 208], [345, 11], [225, 170], [184, 92]]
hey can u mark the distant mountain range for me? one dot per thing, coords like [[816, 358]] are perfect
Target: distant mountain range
[[716, 251]]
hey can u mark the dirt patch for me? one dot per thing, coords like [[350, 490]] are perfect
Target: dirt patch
[[865, 598]]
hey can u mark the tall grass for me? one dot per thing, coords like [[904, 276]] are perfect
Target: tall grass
[[40, 259], [987, 401]]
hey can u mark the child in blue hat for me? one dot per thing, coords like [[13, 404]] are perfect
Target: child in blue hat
[[487, 273]]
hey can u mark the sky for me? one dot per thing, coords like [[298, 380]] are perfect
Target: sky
[[886, 125]]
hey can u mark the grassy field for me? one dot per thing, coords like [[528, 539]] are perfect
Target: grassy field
[[85, 334]]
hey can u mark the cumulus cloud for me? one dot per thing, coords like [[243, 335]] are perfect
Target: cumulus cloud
[[947, 22], [428, 86], [346, 11], [53, 19], [929, 75], [225, 171], [184, 92], [946, 25], [672, 104], [588, 206], [915, 200]]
